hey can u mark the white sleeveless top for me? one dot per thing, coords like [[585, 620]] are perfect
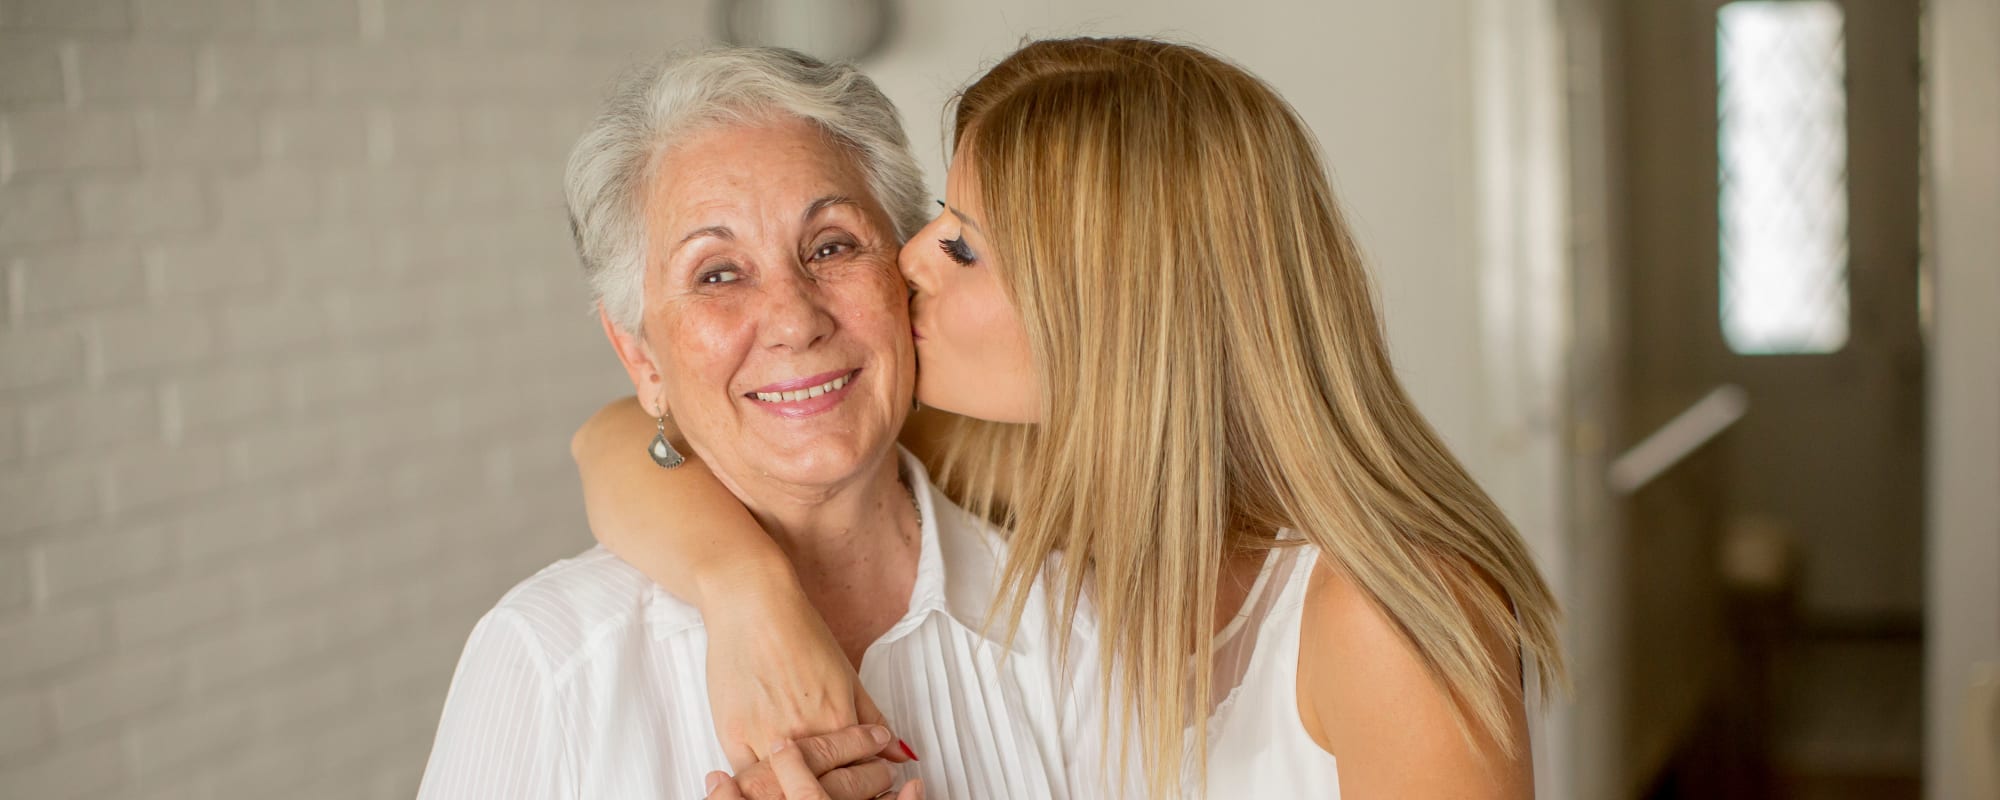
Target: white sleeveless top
[[1257, 747]]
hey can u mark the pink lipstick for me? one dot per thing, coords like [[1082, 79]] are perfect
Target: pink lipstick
[[804, 397]]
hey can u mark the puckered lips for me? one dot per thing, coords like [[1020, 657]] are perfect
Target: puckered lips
[[804, 397]]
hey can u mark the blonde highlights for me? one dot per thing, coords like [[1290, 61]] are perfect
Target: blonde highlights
[[1213, 369]]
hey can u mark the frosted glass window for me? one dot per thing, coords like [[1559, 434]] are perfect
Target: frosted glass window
[[1782, 140]]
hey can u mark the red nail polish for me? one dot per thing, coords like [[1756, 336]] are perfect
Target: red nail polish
[[907, 751]]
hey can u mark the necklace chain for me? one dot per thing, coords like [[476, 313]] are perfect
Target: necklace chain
[[915, 506]]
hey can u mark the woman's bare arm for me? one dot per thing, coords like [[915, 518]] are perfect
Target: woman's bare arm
[[1365, 696], [775, 671], [681, 527]]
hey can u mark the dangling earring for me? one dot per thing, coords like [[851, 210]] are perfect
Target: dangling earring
[[661, 450]]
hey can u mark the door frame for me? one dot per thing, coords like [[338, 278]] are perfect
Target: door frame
[[1962, 167], [1523, 157]]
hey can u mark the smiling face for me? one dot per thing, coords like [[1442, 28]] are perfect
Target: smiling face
[[775, 320], [970, 339]]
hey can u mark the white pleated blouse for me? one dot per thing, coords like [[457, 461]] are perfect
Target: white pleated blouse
[[588, 680]]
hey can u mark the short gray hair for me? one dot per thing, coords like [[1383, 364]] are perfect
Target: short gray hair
[[651, 107]]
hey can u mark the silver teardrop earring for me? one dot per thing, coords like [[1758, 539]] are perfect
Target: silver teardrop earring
[[661, 450]]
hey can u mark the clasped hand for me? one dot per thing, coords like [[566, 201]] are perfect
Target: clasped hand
[[843, 765]]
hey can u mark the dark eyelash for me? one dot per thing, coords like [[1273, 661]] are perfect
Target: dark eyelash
[[956, 250]]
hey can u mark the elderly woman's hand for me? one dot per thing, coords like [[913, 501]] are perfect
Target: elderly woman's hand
[[775, 673], [837, 766]]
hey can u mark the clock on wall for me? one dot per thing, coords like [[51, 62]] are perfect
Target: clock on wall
[[831, 30]]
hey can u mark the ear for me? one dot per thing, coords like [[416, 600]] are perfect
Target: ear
[[638, 359]]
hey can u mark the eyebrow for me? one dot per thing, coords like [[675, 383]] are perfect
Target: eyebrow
[[812, 210], [824, 203], [717, 231], [961, 217]]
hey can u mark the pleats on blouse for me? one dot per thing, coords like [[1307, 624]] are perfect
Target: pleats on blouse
[[588, 681]]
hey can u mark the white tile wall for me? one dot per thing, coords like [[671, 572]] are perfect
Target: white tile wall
[[291, 342]]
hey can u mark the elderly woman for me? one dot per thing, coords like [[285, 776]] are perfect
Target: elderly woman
[[738, 214]]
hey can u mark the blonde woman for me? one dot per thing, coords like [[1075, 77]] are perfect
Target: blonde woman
[[1142, 301]]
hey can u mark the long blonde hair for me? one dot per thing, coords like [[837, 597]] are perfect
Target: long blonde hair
[[1213, 369]]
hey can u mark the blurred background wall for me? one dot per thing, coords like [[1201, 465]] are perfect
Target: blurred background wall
[[292, 342]]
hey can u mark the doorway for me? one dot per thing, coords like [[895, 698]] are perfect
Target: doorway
[[1773, 594]]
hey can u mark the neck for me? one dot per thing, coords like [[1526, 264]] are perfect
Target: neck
[[1235, 576], [1238, 574], [853, 546], [833, 523]]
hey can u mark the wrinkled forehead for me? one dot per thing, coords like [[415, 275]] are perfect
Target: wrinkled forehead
[[758, 171]]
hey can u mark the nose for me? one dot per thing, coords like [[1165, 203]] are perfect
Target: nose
[[795, 313], [911, 261]]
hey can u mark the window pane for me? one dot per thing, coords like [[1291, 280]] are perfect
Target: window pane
[[1782, 140]]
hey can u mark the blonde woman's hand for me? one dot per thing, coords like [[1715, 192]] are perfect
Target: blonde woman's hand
[[775, 673], [836, 766]]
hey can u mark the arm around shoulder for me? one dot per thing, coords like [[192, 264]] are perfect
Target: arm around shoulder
[[774, 668], [681, 527]]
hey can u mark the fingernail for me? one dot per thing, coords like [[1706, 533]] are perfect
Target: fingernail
[[907, 751], [714, 780], [779, 746], [879, 734]]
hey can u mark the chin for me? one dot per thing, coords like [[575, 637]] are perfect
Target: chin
[[929, 393], [826, 461]]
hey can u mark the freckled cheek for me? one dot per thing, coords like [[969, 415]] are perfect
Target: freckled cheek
[[889, 291], [882, 333], [704, 351], [889, 281], [877, 305]]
